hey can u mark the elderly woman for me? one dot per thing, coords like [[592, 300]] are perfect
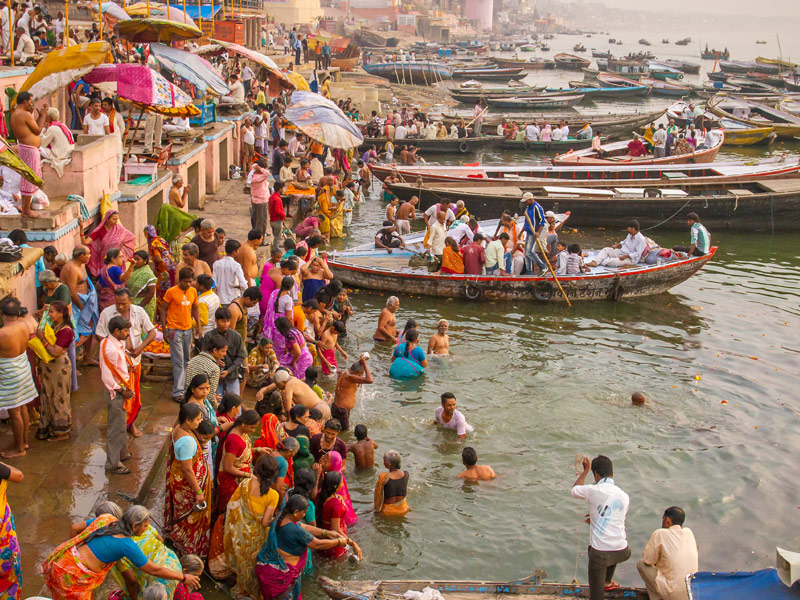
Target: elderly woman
[[107, 235], [392, 487], [57, 142], [283, 558], [80, 565], [55, 423]]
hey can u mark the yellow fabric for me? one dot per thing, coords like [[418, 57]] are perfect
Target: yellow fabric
[[71, 63], [38, 346], [202, 309], [298, 80], [105, 205]]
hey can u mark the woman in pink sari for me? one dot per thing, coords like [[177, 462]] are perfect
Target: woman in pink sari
[[336, 462], [108, 234]]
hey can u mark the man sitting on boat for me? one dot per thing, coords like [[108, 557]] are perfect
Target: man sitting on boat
[[387, 237], [700, 238], [585, 133], [627, 252], [464, 231], [669, 556], [532, 132], [514, 259]]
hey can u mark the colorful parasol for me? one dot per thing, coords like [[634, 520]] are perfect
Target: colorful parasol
[[277, 77], [65, 65], [111, 13], [321, 120], [10, 159], [171, 13], [142, 85], [143, 31], [193, 68]]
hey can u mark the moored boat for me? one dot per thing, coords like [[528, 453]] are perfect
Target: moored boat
[[437, 146], [470, 95], [787, 125], [616, 152], [490, 73], [743, 134], [570, 62], [416, 73], [777, 62], [682, 65], [661, 71], [545, 100], [533, 63], [666, 88], [597, 91]]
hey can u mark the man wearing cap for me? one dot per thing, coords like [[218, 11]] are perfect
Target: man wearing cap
[[534, 221], [549, 238]]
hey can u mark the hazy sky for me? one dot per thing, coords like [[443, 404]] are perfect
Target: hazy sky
[[783, 8]]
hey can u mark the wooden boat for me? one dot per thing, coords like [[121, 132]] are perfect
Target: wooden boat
[[633, 69], [777, 62], [528, 48], [666, 88], [529, 588], [663, 72], [712, 88], [570, 62], [676, 110], [598, 54], [748, 86], [741, 67], [489, 73], [344, 64], [787, 125], [551, 146], [665, 41], [789, 105], [742, 134], [764, 205], [416, 73], [682, 65], [372, 269], [579, 48], [367, 39], [614, 80], [537, 102], [437, 146], [684, 42], [644, 42], [719, 76], [775, 80], [596, 91], [533, 63], [617, 152], [715, 54], [472, 94]]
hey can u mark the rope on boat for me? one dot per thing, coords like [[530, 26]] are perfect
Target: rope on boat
[[670, 217]]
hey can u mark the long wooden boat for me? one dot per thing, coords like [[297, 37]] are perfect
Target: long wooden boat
[[372, 269], [537, 102], [551, 146], [741, 67], [666, 88], [530, 64], [528, 588], [663, 72], [682, 65], [627, 174], [594, 93], [631, 68], [616, 80], [742, 134], [470, 95], [777, 62], [787, 125], [762, 205], [490, 73], [570, 62], [749, 86], [438, 146], [345, 64], [617, 152], [416, 73]]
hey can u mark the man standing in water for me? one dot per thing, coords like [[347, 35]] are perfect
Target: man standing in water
[[344, 398], [440, 341], [387, 332], [448, 417], [608, 506], [474, 471], [27, 130]]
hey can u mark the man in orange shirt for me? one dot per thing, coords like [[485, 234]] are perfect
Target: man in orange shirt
[[177, 311]]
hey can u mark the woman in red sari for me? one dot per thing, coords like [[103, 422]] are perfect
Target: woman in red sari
[[237, 458], [331, 507], [108, 234], [271, 411], [187, 506]]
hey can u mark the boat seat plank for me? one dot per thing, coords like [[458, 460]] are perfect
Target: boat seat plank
[[779, 185]]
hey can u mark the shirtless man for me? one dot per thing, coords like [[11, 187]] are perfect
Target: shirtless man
[[440, 341], [344, 397], [326, 179], [405, 214], [247, 255], [76, 278], [364, 448], [27, 131], [179, 192], [366, 177], [190, 253], [474, 472], [391, 208], [16, 381], [295, 391], [386, 331]]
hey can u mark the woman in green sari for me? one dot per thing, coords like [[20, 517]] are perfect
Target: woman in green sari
[[303, 459], [141, 281]]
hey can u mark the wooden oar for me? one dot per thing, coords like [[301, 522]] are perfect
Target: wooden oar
[[546, 260], [476, 118]]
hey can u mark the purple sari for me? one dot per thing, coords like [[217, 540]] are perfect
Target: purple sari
[[283, 349]]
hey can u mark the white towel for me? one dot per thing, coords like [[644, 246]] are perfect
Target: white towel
[[16, 382]]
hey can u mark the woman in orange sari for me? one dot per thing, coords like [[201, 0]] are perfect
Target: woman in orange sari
[[80, 565], [10, 565], [452, 261], [187, 506], [392, 487]]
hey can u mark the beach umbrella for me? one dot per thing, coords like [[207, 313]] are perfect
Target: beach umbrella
[[278, 79], [193, 68], [143, 31], [171, 13], [64, 65], [323, 121], [10, 159]]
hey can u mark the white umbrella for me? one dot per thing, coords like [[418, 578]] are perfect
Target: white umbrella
[[323, 121]]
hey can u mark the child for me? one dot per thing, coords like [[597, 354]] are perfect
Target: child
[[286, 173], [192, 565], [221, 235], [343, 308], [575, 265], [364, 448], [312, 373], [349, 203], [327, 346], [561, 258], [262, 363]]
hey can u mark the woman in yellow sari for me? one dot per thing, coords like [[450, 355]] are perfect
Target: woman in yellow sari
[[392, 487], [331, 212], [250, 513], [452, 261], [154, 549]]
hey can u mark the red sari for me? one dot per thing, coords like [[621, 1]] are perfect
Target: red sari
[[334, 507], [241, 448], [102, 239], [272, 432]]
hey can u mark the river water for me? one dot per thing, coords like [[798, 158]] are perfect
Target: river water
[[717, 358]]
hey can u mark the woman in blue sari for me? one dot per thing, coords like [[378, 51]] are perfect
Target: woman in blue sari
[[408, 359]]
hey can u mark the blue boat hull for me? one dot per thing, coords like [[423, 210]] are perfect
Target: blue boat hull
[[416, 73]]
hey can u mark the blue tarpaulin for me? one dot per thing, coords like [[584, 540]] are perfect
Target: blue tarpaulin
[[193, 11], [744, 585]]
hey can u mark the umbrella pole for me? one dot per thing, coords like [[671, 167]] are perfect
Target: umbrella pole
[[135, 129], [100, 6], [148, 9], [184, 10], [66, 23], [11, 27]]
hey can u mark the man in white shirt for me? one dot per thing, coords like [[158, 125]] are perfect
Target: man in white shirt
[[669, 556], [660, 142], [56, 147], [5, 23], [564, 130], [228, 274], [58, 25], [436, 235], [401, 132], [627, 252], [608, 506], [236, 94], [96, 122], [247, 78], [177, 124], [295, 147], [430, 215], [556, 134], [141, 334], [495, 255], [464, 232], [25, 48], [532, 132]]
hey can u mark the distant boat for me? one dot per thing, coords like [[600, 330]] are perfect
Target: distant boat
[[682, 65], [544, 48], [666, 88], [599, 54], [612, 40], [570, 62], [761, 41], [715, 54], [579, 48], [665, 41], [619, 43], [490, 73], [644, 42], [528, 48], [684, 42]]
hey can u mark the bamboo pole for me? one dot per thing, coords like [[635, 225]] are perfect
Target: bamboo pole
[[546, 259], [11, 30], [148, 9], [184, 10], [66, 23], [133, 136], [100, 6]]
